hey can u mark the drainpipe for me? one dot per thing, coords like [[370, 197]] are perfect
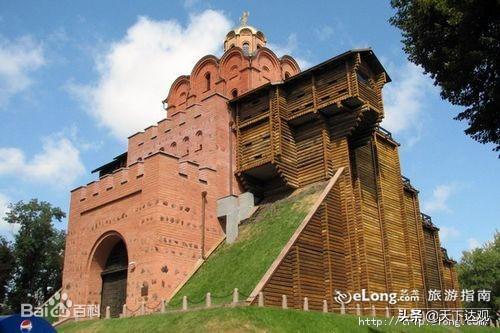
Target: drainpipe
[[203, 202], [230, 157]]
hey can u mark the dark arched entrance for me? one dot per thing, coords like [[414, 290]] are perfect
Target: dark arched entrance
[[114, 280]]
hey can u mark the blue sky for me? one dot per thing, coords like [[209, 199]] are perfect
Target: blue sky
[[76, 78]]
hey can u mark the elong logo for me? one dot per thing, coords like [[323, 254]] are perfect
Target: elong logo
[[347, 297]]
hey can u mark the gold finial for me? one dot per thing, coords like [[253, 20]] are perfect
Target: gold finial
[[244, 18]]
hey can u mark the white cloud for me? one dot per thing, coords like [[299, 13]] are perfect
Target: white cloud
[[473, 243], [58, 163], [448, 233], [136, 72], [439, 199], [404, 100], [324, 33], [190, 3], [18, 59], [289, 48], [6, 229]]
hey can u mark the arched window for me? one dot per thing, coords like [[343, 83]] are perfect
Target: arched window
[[287, 75], [207, 80], [198, 141], [185, 148], [173, 148], [234, 93], [246, 48]]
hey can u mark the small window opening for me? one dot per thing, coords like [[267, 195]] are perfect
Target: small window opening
[[246, 48], [207, 80]]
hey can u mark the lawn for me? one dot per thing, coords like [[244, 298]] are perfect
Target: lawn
[[248, 319], [242, 264]]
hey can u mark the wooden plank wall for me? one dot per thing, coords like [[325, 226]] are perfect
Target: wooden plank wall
[[416, 236], [255, 144], [333, 84], [310, 144], [373, 243], [287, 156], [392, 211], [340, 156], [314, 266], [433, 262], [253, 132], [450, 282]]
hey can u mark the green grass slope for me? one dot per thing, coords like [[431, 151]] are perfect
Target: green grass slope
[[242, 264], [248, 319]]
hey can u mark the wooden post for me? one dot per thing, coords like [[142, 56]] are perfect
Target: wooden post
[[261, 299], [306, 304], [235, 296], [342, 308], [143, 308], [184, 303], [124, 311], [325, 306], [208, 300], [358, 310], [162, 309], [374, 312], [387, 313], [284, 304], [108, 312]]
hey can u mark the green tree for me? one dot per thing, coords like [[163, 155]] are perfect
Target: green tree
[[6, 268], [38, 251], [458, 43], [479, 269]]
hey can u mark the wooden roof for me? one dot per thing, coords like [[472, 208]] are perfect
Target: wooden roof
[[368, 52]]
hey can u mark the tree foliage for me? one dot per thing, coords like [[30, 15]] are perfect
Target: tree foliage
[[38, 251], [6, 268], [480, 269], [458, 43]]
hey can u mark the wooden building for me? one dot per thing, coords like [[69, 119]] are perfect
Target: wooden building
[[369, 232]]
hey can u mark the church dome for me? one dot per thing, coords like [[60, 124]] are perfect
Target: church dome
[[245, 36]]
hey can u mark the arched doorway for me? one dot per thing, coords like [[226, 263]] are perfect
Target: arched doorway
[[114, 280]]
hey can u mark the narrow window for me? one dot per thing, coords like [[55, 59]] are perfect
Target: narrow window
[[207, 80], [234, 93], [246, 48], [287, 75]]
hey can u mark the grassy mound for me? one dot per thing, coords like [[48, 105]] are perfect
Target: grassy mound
[[248, 319], [242, 264]]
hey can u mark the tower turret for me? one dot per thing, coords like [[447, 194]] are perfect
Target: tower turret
[[245, 36]]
